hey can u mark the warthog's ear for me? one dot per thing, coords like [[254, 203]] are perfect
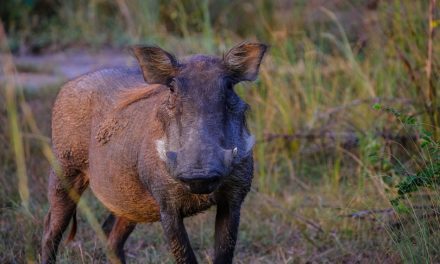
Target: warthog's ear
[[158, 66], [243, 61]]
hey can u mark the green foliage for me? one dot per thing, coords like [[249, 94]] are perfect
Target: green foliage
[[427, 172]]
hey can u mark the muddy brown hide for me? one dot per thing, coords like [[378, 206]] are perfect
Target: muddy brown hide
[[113, 150]]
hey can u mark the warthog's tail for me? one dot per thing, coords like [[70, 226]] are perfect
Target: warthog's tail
[[73, 229], [106, 226]]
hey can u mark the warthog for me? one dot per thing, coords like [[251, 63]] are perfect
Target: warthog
[[158, 142]]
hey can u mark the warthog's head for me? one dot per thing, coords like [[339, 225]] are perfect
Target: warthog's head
[[203, 118]]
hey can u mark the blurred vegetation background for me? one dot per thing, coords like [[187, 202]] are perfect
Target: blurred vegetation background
[[345, 112]]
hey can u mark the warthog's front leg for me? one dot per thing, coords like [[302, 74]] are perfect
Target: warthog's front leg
[[226, 227], [177, 237], [118, 230]]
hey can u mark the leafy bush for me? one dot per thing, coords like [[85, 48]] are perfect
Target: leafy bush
[[427, 158]]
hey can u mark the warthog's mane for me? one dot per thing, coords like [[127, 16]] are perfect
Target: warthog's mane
[[130, 96]]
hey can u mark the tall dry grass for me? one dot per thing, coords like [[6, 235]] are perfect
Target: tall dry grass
[[317, 188]]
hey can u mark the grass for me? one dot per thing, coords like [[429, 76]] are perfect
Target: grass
[[324, 166]]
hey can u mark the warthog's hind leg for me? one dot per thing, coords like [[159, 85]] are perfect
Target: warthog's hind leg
[[63, 194]]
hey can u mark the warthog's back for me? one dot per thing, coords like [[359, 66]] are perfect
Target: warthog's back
[[75, 105]]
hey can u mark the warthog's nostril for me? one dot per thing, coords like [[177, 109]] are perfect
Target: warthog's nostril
[[201, 184], [200, 179]]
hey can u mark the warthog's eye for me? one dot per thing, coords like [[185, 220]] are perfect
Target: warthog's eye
[[172, 97], [233, 102], [172, 85]]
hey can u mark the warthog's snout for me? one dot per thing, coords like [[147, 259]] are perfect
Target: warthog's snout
[[201, 183], [199, 178]]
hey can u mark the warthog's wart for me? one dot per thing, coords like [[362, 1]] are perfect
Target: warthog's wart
[[158, 142]]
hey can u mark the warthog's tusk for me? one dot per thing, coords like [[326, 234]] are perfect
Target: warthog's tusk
[[235, 152]]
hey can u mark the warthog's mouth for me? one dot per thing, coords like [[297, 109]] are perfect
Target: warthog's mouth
[[200, 183]]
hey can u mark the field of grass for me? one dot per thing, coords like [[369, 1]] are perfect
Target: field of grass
[[345, 112]]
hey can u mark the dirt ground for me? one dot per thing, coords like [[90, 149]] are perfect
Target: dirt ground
[[36, 71]]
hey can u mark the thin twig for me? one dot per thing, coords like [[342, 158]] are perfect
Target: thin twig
[[344, 137], [358, 102], [363, 214]]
